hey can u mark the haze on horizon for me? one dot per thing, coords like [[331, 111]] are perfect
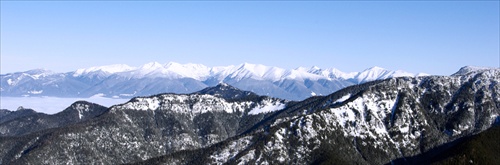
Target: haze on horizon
[[429, 37]]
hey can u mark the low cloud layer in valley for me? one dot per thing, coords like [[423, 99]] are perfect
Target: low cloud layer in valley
[[52, 105]]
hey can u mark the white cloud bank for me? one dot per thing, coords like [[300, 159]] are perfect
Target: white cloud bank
[[52, 105]]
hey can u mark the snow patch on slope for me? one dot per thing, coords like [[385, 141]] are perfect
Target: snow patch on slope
[[354, 112], [267, 107], [10, 82], [342, 99], [81, 108]]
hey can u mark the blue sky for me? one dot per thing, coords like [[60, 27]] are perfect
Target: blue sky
[[431, 37]]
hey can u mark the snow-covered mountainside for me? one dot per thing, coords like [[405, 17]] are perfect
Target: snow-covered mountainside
[[379, 122], [125, 81], [145, 127], [375, 123]]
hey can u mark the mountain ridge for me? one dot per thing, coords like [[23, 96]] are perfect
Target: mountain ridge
[[123, 81], [255, 69]]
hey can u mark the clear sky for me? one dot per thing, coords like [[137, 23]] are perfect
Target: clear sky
[[435, 37]]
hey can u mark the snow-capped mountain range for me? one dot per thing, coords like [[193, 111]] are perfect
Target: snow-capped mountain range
[[406, 120], [124, 81], [200, 72]]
